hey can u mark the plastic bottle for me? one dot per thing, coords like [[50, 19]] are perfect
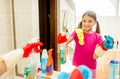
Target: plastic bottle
[[29, 72], [119, 71], [43, 60], [113, 70], [30, 68], [62, 54], [49, 66]]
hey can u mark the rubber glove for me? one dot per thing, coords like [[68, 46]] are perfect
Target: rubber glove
[[80, 36], [108, 42], [28, 48], [61, 38]]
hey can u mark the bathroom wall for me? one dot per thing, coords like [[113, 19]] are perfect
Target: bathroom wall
[[6, 35], [19, 22]]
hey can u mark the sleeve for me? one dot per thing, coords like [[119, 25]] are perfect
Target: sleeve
[[74, 35], [12, 58], [99, 39]]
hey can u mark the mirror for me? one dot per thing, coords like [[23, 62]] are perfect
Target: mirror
[[108, 12]]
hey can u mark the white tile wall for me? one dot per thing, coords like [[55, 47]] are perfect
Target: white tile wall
[[26, 18]]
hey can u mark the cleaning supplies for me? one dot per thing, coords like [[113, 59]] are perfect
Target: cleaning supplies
[[29, 72], [113, 70], [43, 60], [62, 54], [30, 68], [61, 39], [80, 36], [49, 66]]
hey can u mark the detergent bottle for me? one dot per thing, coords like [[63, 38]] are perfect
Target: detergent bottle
[[113, 70], [62, 53], [49, 66], [43, 60]]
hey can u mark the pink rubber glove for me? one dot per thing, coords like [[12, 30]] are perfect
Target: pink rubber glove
[[28, 48]]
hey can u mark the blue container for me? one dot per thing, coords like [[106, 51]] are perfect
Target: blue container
[[43, 60], [113, 71]]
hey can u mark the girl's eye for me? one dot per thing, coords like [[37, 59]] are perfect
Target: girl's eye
[[90, 21], [84, 20]]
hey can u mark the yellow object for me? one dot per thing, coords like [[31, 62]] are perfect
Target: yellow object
[[80, 35]]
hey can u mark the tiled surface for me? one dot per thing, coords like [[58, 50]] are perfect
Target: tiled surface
[[26, 26]]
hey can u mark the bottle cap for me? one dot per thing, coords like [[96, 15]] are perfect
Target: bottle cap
[[44, 53], [112, 61]]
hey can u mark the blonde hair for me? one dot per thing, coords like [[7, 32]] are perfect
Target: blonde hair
[[92, 15]]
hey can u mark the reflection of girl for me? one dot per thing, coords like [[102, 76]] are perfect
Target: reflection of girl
[[10, 59], [86, 40]]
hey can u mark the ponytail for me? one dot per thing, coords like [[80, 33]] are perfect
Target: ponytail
[[98, 27], [80, 25]]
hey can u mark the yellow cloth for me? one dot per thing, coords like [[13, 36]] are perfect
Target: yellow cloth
[[80, 35]]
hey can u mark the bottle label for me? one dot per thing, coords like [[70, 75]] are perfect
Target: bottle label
[[43, 65], [62, 57], [29, 72], [49, 69]]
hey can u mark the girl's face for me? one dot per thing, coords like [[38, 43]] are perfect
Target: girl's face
[[87, 23]]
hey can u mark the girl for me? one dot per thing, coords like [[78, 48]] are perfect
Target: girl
[[86, 41]]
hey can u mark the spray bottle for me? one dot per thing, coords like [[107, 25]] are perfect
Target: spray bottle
[[43, 60], [113, 69], [49, 66], [62, 53], [30, 68]]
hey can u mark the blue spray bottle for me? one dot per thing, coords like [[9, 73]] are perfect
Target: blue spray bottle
[[43, 60]]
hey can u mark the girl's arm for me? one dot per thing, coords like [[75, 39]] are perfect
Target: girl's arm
[[94, 55], [100, 49], [69, 40], [3, 67]]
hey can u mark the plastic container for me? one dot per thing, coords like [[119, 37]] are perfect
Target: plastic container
[[30, 68], [29, 72], [49, 66], [62, 54], [43, 60], [113, 72]]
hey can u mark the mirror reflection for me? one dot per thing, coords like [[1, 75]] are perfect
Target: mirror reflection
[[89, 30], [108, 17]]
